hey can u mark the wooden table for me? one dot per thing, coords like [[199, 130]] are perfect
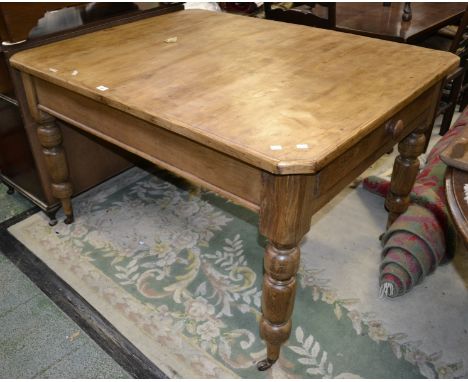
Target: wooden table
[[277, 117], [385, 22]]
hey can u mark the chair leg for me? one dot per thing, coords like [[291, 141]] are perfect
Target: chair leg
[[454, 93], [463, 100], [10, 190], [447, 118]]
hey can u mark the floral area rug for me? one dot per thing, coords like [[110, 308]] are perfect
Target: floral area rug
[[178, 272], [11, 205]]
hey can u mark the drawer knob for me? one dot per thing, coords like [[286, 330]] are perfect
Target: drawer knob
[[395, 128]]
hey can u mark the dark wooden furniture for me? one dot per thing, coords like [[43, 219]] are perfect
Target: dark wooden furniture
[[243, 8], [460, 47], [250, 139], [455, 182], [17, 19], [381, 20], [453, 89], [385, 22], [407, 12], [455, 157], [22, 166], [304, 14]]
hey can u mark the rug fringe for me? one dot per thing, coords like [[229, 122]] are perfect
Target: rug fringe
[[386, 290]]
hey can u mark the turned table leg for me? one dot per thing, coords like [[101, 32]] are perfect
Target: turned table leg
[[405, 170], [50, 138], [285, 214], [279, 291], [51, 214]]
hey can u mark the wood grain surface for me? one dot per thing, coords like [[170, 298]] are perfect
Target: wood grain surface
[[209, 168], [245, 86]]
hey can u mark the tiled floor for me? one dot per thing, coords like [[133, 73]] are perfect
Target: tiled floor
[[37, 340]]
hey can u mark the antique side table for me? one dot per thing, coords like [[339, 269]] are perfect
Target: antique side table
[[456, 188], [455, 157], [274, 116]]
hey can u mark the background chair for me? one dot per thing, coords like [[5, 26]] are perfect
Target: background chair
[[452, 39]]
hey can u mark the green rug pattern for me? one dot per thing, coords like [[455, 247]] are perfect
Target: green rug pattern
[[177, 270], [11, 205]]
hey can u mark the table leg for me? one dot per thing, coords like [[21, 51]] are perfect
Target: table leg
[[50, 138], [405, 170], [278, 294], [10, 190], [51, 214], [285, 215]]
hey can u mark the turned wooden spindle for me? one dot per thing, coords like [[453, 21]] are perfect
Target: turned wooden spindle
[[285, 214], [407, 12], [405, 170], [50, 138], [279, 291]]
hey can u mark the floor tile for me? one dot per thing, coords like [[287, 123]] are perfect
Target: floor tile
[[33, 336], [88, 361], [33, 340], [15, 287]]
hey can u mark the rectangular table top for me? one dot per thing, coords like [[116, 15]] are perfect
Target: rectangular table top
[[287, 95]]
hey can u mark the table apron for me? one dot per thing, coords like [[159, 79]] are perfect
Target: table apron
[[233, 179], [228, 176]]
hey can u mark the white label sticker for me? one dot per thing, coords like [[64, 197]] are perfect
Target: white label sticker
[[53, 70], [74, 73], [102, 88], [276, 147], [302, 146]]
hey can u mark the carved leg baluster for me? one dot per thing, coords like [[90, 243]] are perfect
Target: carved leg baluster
[[279, 291], [285, 215], [50, 137], [405, 170]]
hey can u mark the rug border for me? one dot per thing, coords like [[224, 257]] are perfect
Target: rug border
[[147, 346]]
